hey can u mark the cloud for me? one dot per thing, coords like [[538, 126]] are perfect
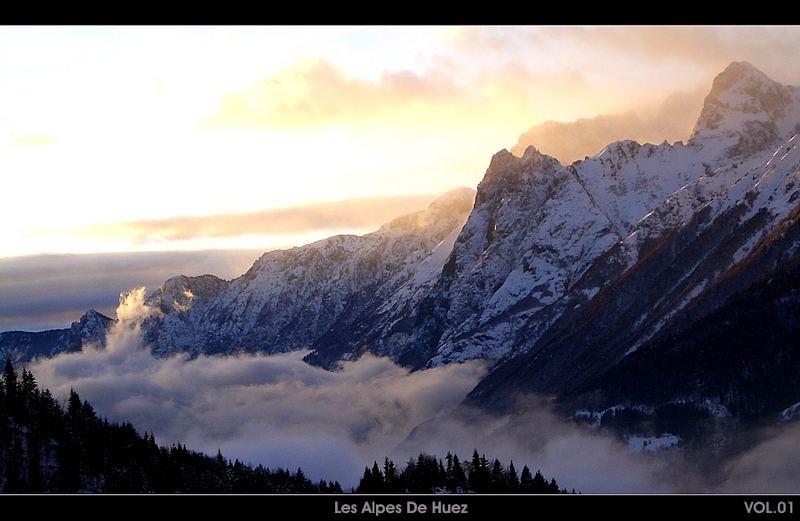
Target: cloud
[[672, 120], [317, 94], [770, 466], [512, 76], [31, 139], [278, 411], [275, 410], [354, 214], [50, 291], [709, 46], [576, 456], [639, 50]]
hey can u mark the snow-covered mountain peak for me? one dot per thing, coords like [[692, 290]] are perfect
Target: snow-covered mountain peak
[[91, 328], [508, 173], [746, 111], [92, 318], [177, 294]]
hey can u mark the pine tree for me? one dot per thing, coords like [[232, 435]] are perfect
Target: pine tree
[[299, 481], [10, 385], [459, 476], [368, 483], [497, 477], [390, 477], [377, 478], [479, 477], [539, 483], [526, 481], [512, 478]]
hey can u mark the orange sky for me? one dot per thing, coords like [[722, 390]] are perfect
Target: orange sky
[[108, 125]]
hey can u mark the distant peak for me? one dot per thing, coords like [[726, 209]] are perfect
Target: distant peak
[[504, 159], [91, 320], [458, 200], [739, 74], [93, 314], [452, 205], [741, 68], [462, 193], [531, 151], [745, 107]]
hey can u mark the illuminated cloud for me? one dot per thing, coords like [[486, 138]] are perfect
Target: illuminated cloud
[[317, 94], [353, 214], [712, 47], [223, 120], [31, 139]]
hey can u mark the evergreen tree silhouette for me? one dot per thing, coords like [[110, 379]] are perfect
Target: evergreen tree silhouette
[[512, 478], [526, 481]]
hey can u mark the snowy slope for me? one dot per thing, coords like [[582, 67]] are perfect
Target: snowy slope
[[291, 298], [731, 223]]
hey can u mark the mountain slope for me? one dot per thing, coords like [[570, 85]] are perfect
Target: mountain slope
[[23, 346], [744, 356], [710, 239], [290, 299]]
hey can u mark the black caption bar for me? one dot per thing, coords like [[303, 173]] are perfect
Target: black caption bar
[[423, 507]]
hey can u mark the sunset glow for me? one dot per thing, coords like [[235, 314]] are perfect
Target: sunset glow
[[110, 125]]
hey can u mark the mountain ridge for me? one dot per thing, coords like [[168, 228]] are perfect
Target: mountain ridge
[[555, 274]]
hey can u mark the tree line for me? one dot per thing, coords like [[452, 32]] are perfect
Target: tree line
[[428, 474], [47, 447]]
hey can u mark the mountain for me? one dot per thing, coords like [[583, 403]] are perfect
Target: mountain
[[23, 346], [305, 296], [572, 280], [743, 356], [734, 224], [672, 120]]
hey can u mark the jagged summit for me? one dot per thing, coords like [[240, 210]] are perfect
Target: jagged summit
[[507, 172], [737, 72], [746, 110], [179, 293]]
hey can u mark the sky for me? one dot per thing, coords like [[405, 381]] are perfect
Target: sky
[[133, 139]]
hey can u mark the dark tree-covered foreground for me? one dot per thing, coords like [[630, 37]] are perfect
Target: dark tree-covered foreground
[[45, 447], [428, 474], [49, 447]]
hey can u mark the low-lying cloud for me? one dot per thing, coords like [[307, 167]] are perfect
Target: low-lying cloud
[[278, 411], [275, 410]]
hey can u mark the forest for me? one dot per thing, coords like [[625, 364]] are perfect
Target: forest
[[47, 447], [428, 474]]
